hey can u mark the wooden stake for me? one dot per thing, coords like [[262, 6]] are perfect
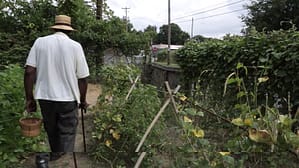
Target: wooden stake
[[130, 78], [156, 119], [75, 160], [132, 87], [171, 97], [139, 160]]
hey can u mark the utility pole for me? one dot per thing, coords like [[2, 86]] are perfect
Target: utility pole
[[126, 11], [169, 34], [99, 11], [192, 24]]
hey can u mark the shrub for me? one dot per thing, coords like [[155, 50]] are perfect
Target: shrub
[[12, 144], [115, 78]]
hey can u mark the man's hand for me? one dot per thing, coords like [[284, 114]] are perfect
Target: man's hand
[[83, 105], [30, 106], [83, 89]]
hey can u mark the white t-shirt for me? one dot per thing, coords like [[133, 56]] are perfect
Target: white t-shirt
[[59, 62]]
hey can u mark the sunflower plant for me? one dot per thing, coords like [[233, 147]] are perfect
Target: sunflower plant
[[265, 124]]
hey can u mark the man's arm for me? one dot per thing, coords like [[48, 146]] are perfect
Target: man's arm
[[29, 80], [83, 89]]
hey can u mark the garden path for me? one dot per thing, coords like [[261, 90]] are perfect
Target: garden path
[[83, 160]]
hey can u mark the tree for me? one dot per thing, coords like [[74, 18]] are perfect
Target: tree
[[178, 37], [200, 38], [151, 31], [21, 22], [268, 15]]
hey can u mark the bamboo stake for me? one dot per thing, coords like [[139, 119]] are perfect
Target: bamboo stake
[[171, 97], [139, 160], [130, 78], [155, 119], [132, 87]]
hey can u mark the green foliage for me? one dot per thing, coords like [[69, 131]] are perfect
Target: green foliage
[[119, 123], [273, 55], [116, 77], [245, 68], [12, 143], [27, 16], [151, 31], [163, 54], [24, 21], [226, 145], [265, 124], [268, 15], [12, 49], [192, 145], [178, 37], [132, 43], [200, 38]]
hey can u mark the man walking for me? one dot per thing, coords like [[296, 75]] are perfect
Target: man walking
[[56, 65]]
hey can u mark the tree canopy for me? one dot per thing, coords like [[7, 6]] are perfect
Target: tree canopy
[[178, 37], [268, 15], [22, 21], [200, 38], [151, 31]]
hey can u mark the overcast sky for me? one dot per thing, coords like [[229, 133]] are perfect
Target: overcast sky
[[155, 12]]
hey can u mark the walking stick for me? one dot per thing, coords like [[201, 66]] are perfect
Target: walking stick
[[83, 130], [75, 159]]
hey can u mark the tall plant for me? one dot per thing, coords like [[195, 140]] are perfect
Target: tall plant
[[12, 144], [120, 123]]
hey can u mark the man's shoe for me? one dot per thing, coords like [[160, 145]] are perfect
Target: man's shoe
[[56, 155], [41, 160]]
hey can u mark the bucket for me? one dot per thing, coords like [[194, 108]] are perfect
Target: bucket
[[30, 127]]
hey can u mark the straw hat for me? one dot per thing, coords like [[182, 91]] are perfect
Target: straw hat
[[62, 22]]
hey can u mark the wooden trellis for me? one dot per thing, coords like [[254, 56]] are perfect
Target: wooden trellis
[[162, 109]]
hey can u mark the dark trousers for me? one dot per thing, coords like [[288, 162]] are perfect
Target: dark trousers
[[60, 122]]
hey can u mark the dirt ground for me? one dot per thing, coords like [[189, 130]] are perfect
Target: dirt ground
[[82, 158]]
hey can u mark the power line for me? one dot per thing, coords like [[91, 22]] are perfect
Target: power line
[[201, 12], [220, 14], [203, 8], [197, 13]]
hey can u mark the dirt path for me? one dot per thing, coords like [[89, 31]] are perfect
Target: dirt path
[[83, 160], [93, 93]]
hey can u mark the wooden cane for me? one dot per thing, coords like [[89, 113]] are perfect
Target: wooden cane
[[75, 159], [83, 130]]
